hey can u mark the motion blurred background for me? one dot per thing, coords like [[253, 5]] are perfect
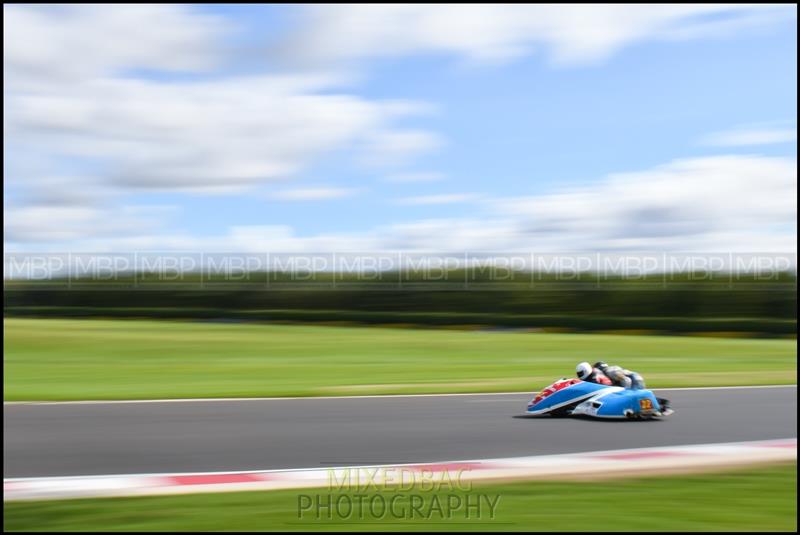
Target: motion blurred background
[[548, 168], [288, 200]]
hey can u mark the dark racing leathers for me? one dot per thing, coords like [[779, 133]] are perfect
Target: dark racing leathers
[[617, 376], [624, 378], [627, 379]]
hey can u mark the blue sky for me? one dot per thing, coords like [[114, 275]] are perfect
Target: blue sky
[[511, 132]]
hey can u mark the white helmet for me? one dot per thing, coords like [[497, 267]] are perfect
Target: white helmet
[[584, 370]]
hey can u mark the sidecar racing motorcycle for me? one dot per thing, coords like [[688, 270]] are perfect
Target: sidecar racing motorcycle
[[574, 397]]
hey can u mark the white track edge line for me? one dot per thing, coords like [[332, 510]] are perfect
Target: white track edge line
[[368, 396]]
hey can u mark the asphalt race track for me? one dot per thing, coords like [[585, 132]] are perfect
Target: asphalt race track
[[197, 436]]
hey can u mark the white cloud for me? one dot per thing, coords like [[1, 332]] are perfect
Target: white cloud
[[569, 34], [94, 88], [65, 191], [751, 135], [712, 204], [45, 44], [31, 224], [312, 194], [444, 198], [205, 136], [74, 92]]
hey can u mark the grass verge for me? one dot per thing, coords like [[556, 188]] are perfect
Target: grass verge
[[56, 359], [761, 499]]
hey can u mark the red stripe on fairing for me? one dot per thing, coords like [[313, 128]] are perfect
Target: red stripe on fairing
[[215, 479], [780, 445], [639, 455]]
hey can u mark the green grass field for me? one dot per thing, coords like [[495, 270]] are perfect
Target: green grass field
[[50, 359], [761, 499]]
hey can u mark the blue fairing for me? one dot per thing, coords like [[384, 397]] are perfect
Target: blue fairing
[[620, 404], [591, 399]]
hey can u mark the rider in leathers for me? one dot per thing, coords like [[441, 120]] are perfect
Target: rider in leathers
[[602, 372], [586, 372], [620, 376]]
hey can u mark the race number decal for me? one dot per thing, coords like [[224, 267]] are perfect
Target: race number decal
[[645, 404]]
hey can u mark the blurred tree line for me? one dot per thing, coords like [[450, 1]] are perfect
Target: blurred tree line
[[686, 302]]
